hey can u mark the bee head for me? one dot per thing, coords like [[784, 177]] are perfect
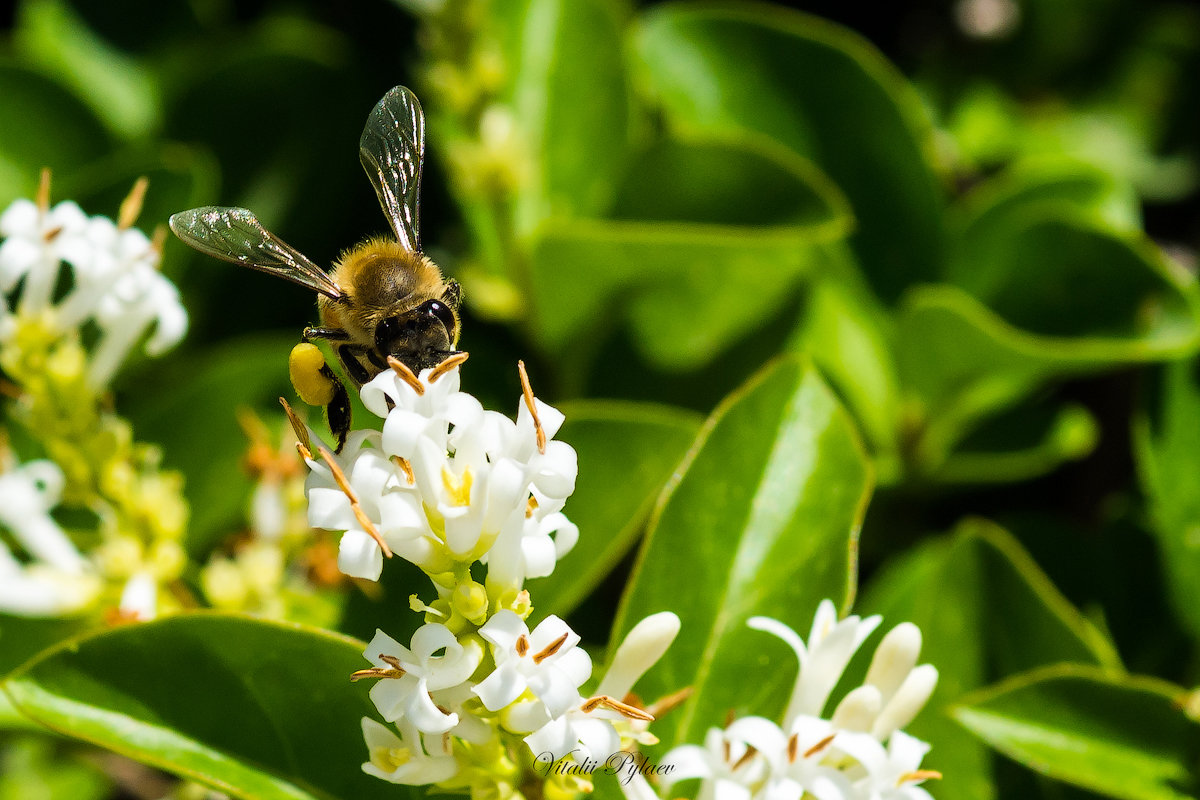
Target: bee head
[[421, 337]]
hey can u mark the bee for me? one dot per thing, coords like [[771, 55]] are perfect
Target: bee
[[383, 297]]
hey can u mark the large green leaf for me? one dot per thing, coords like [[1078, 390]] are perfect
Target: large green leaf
[[985, 611], [627, 452], [1122, 737], [762, 520], [252, 708], [1168, 458], [821, 91]]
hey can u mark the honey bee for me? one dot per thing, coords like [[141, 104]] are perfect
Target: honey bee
[[383, 297]]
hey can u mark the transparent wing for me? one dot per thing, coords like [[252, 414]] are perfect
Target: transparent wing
[[235, 234], [391, 147]]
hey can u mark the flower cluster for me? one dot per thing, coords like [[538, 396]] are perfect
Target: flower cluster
[[77, 294], [857, 753], [477, 697]]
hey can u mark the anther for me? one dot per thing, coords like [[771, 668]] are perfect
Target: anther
[[530, 506], [527, 391], [43, 193], [406, 468], [664, 704], [746, 756], [52, 234], [447, 365], [298, 429], [406, 374], [793, 747], [131, 206], [550, 649], [819, 746], [613, 703], [522, 646], [919, 775], [158, 242], [359, 514]]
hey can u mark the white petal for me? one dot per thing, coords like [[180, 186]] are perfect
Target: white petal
[[503, 630], [503, 686], [641, 649], [909, 699], [359, 556]]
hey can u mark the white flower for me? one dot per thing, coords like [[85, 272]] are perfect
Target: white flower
[[830, 646], [895, 688], [891, 774], [437, 660], [139, 598], [411, 758], [731, 764], [545, 662], [34, 241]]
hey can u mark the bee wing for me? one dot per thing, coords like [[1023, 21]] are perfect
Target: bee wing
[[235, 234], [391, 147]]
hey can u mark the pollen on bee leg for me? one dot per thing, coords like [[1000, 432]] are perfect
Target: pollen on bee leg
[[359, 514], [527, 392], [131, 206], [298, 428], [406, 374], [447, 365], [43, 192]]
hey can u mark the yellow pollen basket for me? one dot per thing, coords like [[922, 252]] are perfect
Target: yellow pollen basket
[[306, 366]]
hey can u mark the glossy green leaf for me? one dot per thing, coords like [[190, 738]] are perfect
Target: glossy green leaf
[[985, 611], [193, 416], [1168, 457], [1123, 737], [819, 90], [252, 708], [40, 768], [119, 89], [627, 452], [762, 520]]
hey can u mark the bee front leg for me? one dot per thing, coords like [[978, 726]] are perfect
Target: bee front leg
[[337, 412]]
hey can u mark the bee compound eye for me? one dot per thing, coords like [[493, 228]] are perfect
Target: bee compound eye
[[443, 313], [386, 332]]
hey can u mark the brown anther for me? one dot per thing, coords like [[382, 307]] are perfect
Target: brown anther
[[550, 649], [530, 506], [664, 704], [819, 746], [52, 234], [298, 428], [442, 709], [729, 718], [43, 192], [158, 241], [391, 661], [919, 775], [726, 753], [304, 452], [131, 206], [527, 391], [522, 645], [406, 468], [359, 514], [793, 747], [406, 374], [447, 365], [613, 703], [746, 756], [376, 672]]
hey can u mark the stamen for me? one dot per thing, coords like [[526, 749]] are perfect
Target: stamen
[[393, 669], [131, 206], [304, 452], [527, 391], [391, 661], [727, 752], [616, 705], [746, 756], [729, 718], [522, 646], [550, 649], [919, 775], [664, 704], [406, 374], [793, 747], [52, 234], [530, 506], [157, 242], [819, 746], [447, 365], [359, 514], [43, 192], [298, 428], [406, 468]]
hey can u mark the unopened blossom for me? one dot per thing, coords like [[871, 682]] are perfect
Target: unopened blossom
[[412, 758]]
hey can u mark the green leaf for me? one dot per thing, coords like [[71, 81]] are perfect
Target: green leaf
[[762, 520], [119, 89], [1122, 737], [627, 452], [1167, 445], [256, 709], [37, 768], [985, 611], [819, 90], [201, 437]]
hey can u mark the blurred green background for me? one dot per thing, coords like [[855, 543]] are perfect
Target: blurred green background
[[978, 220]]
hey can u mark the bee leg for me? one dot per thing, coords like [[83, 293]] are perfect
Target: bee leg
[[354, 368], [338, 413], [328, 334]]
